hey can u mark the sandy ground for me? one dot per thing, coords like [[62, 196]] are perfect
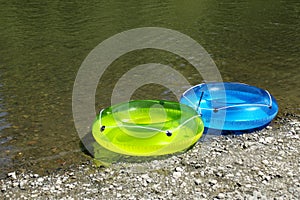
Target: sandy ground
[[262, 165]]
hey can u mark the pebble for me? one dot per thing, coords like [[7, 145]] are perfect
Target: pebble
[[3, 188], [198, 181], [269, 127], [221, 196], [22, 184], [213, 182], [12, 175], [15, 184], [269, 139], [267, 178], [202, 173], [35, 175], [40, 179], [265, 162], [176, 175], [229, 175], [178, 169], [260, 165]]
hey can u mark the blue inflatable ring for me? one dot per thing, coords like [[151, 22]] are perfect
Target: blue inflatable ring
[[231, 106]]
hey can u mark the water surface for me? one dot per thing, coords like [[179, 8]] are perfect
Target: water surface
[[42, 45]]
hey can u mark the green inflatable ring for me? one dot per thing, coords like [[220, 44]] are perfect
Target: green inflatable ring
[[147, 128]]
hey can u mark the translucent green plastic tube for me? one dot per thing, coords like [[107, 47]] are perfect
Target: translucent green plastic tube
[[147, 128]]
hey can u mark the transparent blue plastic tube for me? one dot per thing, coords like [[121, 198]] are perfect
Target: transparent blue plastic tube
[[231, 106]]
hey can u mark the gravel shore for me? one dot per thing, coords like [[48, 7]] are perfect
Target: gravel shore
[[262, 165]]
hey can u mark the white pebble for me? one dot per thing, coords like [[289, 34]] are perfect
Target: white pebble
[[260, 173], [35, 175], [15, 184], [269, 139], [12, 175], [213, 182], [265, 162], [176, 174], [269, 127], [178, 169], [221, 196], [40, 179], [198, 181]]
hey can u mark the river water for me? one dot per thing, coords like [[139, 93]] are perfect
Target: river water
[[43, 43]]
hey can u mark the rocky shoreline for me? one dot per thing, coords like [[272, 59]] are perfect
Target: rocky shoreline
[[262, 165]]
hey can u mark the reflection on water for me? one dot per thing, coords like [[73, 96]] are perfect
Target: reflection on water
[[43, 44], [5, 159]]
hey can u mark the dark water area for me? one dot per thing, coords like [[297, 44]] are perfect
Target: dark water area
[[43, 43]]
